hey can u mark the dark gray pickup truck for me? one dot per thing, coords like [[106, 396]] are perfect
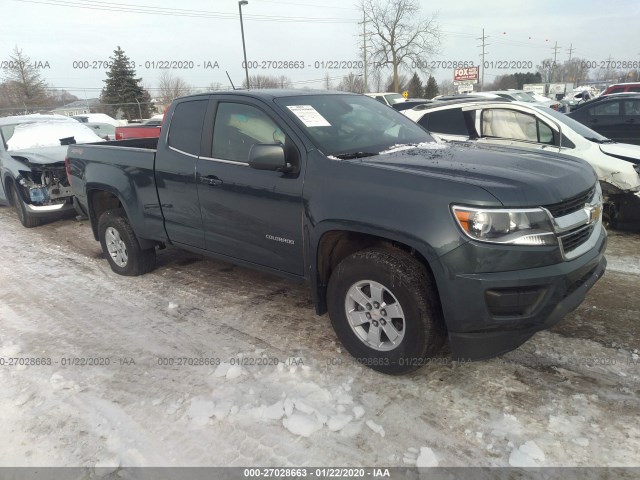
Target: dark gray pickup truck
[[406, 243]]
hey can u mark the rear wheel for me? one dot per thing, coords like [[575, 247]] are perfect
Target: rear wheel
[[121, 247], [385, 310], [26, 219]]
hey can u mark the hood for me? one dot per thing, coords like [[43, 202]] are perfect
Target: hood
[[41, 156], [516, 177], [623, 151]]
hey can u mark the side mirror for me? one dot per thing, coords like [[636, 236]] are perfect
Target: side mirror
[[268, 156]]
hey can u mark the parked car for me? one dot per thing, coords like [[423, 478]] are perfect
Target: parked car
[[615, 116], [410, 103], [32, 169], [622, 88], [541, 128], [149, 128], [574, 99], [521, 96], [405, 242], [105, 131], [388, 98], [98, 118]]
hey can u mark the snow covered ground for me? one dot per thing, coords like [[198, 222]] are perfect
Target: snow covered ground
[[568, 397]]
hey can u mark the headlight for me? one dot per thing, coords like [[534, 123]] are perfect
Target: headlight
[[512, 226]]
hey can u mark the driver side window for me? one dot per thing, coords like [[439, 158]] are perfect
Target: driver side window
[[238, 127]]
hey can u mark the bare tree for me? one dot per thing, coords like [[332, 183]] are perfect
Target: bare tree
[[399, 37], [376, 80], [22, 84], [171, 87], [267, 81], [403, 82], [352, 83], [447, 87]]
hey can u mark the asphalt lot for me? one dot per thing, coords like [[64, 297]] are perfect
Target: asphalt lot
[[569, 396]]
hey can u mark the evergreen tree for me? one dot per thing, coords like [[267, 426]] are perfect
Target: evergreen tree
[[415, 87], [123, 89], [431, 90]]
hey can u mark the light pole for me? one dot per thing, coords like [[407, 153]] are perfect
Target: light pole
[[244, 49]]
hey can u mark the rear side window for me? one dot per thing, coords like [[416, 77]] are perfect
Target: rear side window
[[632, 107], [609, 108], [515, 125], [186, 126], [616, 90], [449, 121], [635, 88]]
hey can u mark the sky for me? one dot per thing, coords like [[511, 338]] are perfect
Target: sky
[[71, 38]]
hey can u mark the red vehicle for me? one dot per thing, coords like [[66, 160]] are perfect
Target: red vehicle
[[147, 129], [622, 88]]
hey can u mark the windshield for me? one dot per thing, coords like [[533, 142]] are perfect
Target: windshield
[[394, 98], [522, 97], [45, 134], [340, 124], [577, 127]]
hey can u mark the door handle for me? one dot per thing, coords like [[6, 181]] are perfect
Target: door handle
[[594, 120], [211, 180], [631, 120]]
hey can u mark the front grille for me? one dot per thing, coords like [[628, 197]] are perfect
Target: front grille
[[571, 205], [574, 238]]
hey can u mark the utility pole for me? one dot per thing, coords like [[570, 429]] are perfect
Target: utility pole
[[570, 68], [364, 47], [555, 60], [484, 44], [244, 49], [607, 74]]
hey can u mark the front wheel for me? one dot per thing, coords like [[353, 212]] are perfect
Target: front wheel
[[385, 310], [26, 219], [121, 247]]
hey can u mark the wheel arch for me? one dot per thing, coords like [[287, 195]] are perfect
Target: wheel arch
[[335, 244]]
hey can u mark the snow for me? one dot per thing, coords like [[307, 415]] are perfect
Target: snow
[[527, 455], [301, 424], [375, 427], [426, 458], [48, 133], [529, 407], [423, 145]]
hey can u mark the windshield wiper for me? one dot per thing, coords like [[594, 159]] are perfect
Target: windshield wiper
[[349, 156]]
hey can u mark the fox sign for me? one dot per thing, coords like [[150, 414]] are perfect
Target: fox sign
[[468, 74]]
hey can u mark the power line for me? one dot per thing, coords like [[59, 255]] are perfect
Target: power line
[[173, 12]]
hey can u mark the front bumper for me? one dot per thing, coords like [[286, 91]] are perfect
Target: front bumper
[[49, 210], [488, 314]]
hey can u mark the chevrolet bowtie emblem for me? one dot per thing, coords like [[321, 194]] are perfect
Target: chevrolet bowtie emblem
[[594, 212]]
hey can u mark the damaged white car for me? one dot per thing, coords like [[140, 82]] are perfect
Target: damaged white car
[[32, 168], [518, 124]]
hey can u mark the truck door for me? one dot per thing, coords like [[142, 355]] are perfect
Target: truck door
[[248, 214], [176, 173]]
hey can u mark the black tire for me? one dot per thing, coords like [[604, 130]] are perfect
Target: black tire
[[138, 260], [26, 219], [408, 281], [610, 215]]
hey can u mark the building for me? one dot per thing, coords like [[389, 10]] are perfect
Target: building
[[78, 107]]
